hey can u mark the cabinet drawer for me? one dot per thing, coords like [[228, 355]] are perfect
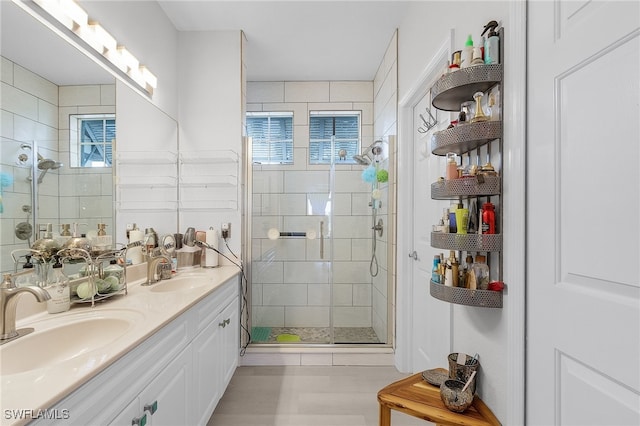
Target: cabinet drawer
[[207, 310]]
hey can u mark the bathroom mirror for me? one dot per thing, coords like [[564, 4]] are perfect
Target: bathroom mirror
[[47, 85]]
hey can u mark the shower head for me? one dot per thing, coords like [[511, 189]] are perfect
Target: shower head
[[363, 160], [45, 165]]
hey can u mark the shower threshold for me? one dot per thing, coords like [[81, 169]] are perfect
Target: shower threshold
[[314, 335]]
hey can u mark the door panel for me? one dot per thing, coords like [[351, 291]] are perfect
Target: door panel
[[431, 344], [583, 292]]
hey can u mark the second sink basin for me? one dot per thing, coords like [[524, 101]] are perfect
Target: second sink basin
[[57, 340], [182, 282]]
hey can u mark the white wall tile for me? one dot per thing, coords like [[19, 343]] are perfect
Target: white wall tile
[[330, 106], [285, 249], [299, 110], [351, 316], [284, 294], [268, 316], [301, 136], [19, 102], [342, 295], [361, 249], [267, 181], [265, 91], [366, 115], [306, 181], [352, 226], [319, 294], [342, 249], [284, 204], [351, 272], [108, 94], [308, 316], [353, 91], [342, 204], [6, 124], [6, 72], [254, 108], [268, 272], [362, 295], [307, 272], [256, 294], [360, 203], [306, 91], [261, 224], [79, 95], [351, 181], [47, 113], [29, 82]]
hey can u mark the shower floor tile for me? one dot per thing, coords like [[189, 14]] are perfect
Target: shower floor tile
[[362, 335]]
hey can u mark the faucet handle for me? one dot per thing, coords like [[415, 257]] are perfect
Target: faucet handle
[[7, 282]]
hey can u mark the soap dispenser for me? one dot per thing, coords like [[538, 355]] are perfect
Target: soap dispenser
[[467, 53], [58, 289], [103, 242]]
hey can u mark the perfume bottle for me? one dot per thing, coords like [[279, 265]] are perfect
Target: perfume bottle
[[479, 115]]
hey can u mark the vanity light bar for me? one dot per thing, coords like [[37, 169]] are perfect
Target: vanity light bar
[[72, 16]]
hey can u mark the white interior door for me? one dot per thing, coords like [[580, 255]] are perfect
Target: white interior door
[[431, 317], [583, 232]]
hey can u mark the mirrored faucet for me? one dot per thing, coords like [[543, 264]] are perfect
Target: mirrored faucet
[[8, 304]]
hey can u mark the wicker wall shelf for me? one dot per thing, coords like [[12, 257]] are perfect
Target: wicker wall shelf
[[467, 242], [459, 86], [465, 187], [465, 137], [465, 296]]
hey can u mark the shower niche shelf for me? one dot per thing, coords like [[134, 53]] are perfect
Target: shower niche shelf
[[464, 296]]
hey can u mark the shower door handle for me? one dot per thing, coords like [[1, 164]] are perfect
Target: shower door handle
[[414, 255]]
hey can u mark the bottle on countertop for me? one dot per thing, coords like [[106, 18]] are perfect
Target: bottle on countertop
[[491, 44], [27, 278], [58, 289]]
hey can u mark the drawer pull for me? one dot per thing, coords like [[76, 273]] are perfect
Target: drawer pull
[[140, 421], [151, 408]]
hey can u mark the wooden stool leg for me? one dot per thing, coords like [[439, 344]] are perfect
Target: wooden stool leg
[[385, 415]]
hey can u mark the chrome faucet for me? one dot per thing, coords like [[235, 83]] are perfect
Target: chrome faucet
[[8, 304], [153, 266]]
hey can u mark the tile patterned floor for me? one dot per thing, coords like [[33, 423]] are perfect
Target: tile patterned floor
[[364, 335], [307, 396]]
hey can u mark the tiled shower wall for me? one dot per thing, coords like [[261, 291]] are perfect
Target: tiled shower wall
[[291, 281], [33, 108]]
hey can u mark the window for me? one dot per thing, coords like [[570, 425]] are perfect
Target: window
[[272, 134], [343, 126], [91, 139]]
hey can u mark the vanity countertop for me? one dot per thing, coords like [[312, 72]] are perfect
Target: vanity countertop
[[146, 312]]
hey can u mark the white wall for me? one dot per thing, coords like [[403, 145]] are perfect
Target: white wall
[[483, 331], [144, 29], [211, 120]]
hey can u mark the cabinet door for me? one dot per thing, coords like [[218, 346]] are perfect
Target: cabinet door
[[126, 417], [230, 342], [170, 392], [206, 369]]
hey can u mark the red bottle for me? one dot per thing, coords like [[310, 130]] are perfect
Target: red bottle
[[488, 219]]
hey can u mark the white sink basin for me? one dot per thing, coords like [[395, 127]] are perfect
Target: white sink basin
[[64, 338], [183, 282]]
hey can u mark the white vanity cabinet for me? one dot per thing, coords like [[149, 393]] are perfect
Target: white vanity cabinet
[[215, 352], [174, 377]]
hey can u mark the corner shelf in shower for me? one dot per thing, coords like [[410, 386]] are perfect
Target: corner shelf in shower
[[146, 206], [208, 205], [465, 296]]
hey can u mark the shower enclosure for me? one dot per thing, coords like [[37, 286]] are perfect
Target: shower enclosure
[[320, 263]]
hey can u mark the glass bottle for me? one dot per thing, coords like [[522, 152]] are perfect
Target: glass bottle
[[28, 276], [58, 288], [481, 272], [479, 115]]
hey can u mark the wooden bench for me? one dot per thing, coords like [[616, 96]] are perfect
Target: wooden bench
[[417, 398]]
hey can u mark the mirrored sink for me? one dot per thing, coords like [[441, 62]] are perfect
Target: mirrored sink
[[187, 281], [64, 338]]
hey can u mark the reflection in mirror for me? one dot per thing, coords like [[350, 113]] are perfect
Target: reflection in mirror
[[49, 157]]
